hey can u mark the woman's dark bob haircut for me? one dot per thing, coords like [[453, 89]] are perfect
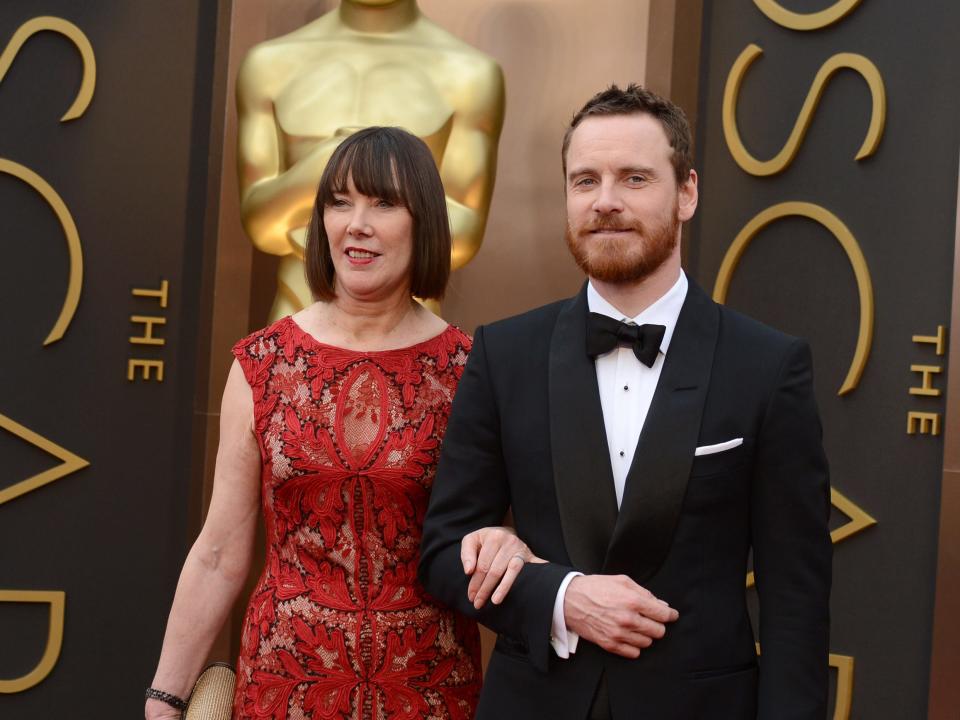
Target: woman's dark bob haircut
[[393, 165]]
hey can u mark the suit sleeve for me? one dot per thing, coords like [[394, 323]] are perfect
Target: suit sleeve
[[471, 491], [792, 550]]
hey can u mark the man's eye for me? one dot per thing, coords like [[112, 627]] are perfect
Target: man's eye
[[637, 179], [584, 181]]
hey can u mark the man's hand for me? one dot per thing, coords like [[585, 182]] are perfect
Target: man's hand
[[493, 555], [615, 613]]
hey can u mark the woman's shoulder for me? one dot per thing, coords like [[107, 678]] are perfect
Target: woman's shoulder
[[459, 337], [448, 350], [440, 337], [265, 341]]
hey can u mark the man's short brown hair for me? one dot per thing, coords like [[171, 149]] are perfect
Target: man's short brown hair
[[637, 100], [391, 164]]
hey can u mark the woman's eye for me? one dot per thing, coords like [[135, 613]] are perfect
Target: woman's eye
[[384, 204], [338, 202]]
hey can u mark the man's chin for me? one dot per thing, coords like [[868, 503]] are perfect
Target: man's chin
[[618, 273], [620, 278], [620, 270]]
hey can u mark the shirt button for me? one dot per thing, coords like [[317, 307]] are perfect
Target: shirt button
[[626, 387], [621, 453]]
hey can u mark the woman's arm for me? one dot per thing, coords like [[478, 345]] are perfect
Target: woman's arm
[[219, 561]]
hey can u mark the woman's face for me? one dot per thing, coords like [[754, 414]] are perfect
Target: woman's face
[[371, 244]]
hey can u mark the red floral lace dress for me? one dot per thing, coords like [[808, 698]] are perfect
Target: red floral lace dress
[[338, 626]]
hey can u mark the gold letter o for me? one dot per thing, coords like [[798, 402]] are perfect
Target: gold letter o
[[806, 21]]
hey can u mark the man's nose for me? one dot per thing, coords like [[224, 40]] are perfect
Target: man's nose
[[608, 199]]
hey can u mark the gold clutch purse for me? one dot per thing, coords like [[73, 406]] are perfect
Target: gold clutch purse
[[212, 696]]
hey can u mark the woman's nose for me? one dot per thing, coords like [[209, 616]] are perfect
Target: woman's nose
[[359, 225]]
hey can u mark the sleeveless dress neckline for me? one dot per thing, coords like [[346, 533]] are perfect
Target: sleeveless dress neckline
[[309, 338]]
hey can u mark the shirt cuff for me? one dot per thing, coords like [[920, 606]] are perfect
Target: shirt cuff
[[563, 641]]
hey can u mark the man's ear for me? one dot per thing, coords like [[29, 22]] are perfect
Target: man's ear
[[687, 198]]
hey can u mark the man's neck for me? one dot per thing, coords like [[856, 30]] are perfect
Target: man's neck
[[378, 19], [633, 298]]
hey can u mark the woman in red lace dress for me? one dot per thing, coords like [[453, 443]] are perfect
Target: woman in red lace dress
[[332, 421]]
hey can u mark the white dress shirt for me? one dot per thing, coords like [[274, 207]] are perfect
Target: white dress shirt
[[626, 390]]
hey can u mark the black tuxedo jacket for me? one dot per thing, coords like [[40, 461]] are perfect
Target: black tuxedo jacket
[[526, 432]]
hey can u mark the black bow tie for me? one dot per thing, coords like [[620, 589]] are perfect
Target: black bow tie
[[604, 334]]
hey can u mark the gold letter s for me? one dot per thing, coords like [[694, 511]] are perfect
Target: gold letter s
[[72, 33], [839, 61]]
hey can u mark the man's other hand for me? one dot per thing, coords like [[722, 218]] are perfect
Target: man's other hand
[[615, 613], [493, 555]]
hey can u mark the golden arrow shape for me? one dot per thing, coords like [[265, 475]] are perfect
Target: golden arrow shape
[[859, 520], [70, 463]]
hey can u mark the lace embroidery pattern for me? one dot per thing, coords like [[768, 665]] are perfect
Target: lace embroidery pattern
[[338, 626]]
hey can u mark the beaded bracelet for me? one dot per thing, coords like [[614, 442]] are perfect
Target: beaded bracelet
[[171, 700]]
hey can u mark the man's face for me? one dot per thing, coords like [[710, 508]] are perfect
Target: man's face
[[624, 209]]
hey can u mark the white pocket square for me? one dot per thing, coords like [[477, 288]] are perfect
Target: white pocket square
[[719, 447]]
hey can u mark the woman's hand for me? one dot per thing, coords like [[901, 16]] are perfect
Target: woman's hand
[[493, 555], [158, 710]]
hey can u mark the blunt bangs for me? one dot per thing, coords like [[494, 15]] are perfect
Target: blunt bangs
[[372, 165]]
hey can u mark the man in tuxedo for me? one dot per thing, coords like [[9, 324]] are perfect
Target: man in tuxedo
[[646, 439]]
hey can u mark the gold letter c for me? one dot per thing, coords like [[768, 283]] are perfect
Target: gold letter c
[[76, 110], [75, 276], [847, 241]]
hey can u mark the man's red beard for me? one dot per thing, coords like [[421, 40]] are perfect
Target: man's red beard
[[622, 258]]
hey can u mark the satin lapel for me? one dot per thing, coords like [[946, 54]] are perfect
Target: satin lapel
[[578, 442], [657, 481]]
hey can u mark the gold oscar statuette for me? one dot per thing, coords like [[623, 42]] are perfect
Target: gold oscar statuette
[[368, 62]]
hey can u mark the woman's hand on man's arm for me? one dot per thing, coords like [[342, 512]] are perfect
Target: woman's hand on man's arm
[[493, 557]]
